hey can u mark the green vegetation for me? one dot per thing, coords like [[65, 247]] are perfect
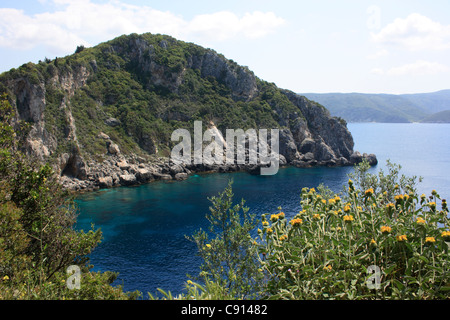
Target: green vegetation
[[330, 249], [327, 251], [146, 83], [230, 258], [323, 252], [37, 239]]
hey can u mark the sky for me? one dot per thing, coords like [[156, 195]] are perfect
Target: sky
[[397, 46]]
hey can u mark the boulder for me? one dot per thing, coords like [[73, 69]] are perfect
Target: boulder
[[112, 122], [123, 165], [105, 182], [103, 136], [113, 148], [143, 175], [356, 157], [127, 179], [162, 176], [371, 158], [181, 176]]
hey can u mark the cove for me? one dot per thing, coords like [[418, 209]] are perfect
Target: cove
[[144, 227]]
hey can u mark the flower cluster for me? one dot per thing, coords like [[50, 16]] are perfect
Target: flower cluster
[[378, 227], [296, 222]]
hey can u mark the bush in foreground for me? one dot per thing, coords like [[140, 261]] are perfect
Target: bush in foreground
[[371, 243], [38, 241], [378, 239]]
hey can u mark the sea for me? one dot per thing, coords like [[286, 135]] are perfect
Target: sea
[[145, 228]]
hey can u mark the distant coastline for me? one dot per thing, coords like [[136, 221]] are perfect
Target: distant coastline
[[433, 107]]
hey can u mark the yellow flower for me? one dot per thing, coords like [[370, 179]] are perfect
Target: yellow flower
[[190, 282], [283, 237], [445, 234], [337, 198], [398, 197], [347, 208], [281, 215], [390, 206], [296, 222], [208, 245], [420, 221], [331, 201], [265, 223], [348, 218], [5, 278], [316, 216], [369, 192], [324, 201], [386, 229], [373, 242], [432, 205], [429, 240], [402, 238], [269, 231], [327, 268], [274, 217]]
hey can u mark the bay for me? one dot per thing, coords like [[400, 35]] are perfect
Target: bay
[[144, 227]]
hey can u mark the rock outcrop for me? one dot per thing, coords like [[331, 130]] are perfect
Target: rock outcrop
[[46, 97]]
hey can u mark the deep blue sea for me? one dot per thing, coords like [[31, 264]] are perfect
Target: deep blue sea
[[144, 227]]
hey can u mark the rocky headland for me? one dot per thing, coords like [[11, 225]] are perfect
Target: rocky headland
[[103, 117]]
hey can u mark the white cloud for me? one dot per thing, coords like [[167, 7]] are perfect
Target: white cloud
[[415, 32], [224, 25], [377, 71], [418, 68], [380, 53], [82, 21]]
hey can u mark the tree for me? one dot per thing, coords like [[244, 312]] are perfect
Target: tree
[[38, 240], [228, 250], [79, 49]]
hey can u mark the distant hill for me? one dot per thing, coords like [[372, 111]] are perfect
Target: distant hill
[[432, 102], [438, 117], [360, 107]]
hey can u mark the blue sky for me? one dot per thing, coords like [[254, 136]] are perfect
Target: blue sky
[[305, 46]]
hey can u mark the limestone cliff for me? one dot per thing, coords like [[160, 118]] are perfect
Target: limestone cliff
[[103, 116]]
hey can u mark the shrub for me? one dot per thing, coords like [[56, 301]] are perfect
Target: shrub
[[37, 238], [229, 253], [331, 247]]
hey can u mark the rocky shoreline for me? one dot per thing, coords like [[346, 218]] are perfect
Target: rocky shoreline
[[120, 170]]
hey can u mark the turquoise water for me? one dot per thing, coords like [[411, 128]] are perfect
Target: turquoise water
[[144, 227]]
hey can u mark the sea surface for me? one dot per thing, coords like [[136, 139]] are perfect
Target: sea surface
[[145, 227]]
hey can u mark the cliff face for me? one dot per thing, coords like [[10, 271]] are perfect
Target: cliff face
[[104, 116]]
